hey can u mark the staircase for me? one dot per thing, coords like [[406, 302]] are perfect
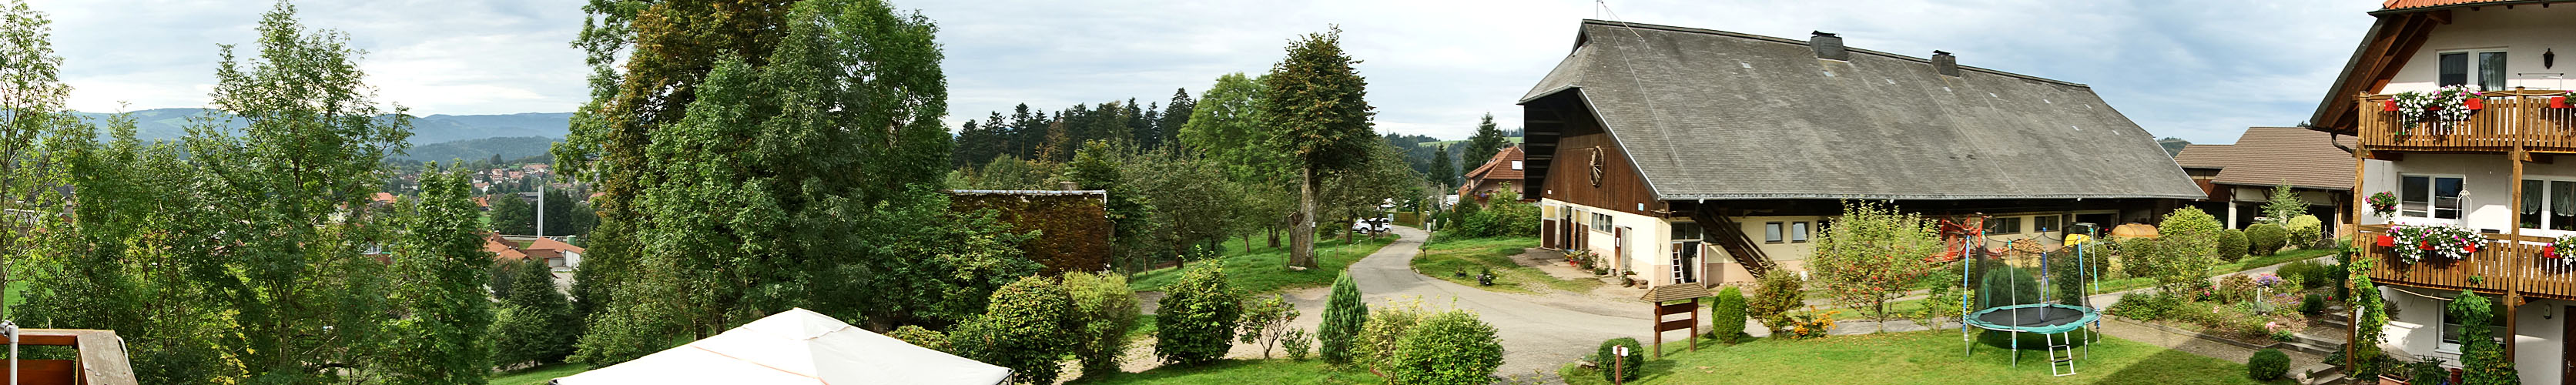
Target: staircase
[[2327, 336], [1718, 229]]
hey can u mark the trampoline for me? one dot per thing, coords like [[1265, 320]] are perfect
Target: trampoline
[[2053, 319]]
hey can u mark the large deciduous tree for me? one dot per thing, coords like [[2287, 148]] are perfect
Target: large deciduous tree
[[440, 260], [1317, 108]]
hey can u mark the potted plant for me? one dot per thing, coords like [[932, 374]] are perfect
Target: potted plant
[[2383, 204]]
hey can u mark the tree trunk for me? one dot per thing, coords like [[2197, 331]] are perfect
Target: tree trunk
[[1273, 232], [1301, 230]]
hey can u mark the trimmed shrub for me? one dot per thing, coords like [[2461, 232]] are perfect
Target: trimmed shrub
[[1297, 343], [2312, 304], [1636, 357], [926, 338], [1772, 302], [1196, 319], [1448, 348], [2305, 230], [2135, 254], [1107, 310], [2232, 245], [1727, 318], [1385, 329], [1028, 326], [2189, 232], [2267, 365], [1343, 315], [2266, 239]]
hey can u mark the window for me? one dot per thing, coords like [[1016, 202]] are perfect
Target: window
[[1798, 232], [1771, 232], [2451, 327], [2046, 223], [2487, 70], [2003, 225], [1686, 231], [2423, 196], [1601, 222], [2548, 204], [1516, 165]]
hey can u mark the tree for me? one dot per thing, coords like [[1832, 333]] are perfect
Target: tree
[[1443, 174], [2284, 204], [1487, 141], [1344, 313], [35, 96], [296, 179], [1176, 114], [513, 215], [1096, 167], [439, 259], [2184, 252], [1873, 254], [1226, 124], [1320, 117], [104, 267], [1189, 212], [1265, 320], [534, 323]]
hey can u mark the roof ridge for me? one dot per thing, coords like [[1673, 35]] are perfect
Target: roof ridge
[[1801, 43]]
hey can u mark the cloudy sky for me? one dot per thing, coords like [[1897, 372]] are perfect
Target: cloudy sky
[[2197, 69]]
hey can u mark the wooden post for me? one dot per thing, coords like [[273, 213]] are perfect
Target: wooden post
[[2360, 201]]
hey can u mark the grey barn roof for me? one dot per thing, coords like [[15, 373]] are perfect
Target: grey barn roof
[[1718, 115]]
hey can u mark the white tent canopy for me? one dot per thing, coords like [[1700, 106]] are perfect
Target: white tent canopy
[[796, 347]]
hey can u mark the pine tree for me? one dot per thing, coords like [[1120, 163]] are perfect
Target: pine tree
[[1442, 173], [1320, 115], [439, 261], [1488, 140], [1176, 114], [1343, 314], [533, 319], [2285, 204]]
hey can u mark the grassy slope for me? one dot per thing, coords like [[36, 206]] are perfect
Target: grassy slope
[[1932, 357], [538, 375], [1442, 258], [1243, 372], [1263, 269]]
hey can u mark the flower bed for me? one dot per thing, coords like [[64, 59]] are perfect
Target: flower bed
[[2256, 309]]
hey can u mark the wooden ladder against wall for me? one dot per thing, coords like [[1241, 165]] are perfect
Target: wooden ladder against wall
[[1716, 228]]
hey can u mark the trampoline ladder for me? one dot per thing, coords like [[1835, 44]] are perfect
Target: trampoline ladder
[[2060, 354]]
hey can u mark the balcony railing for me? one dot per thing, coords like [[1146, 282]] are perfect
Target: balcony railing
[[2510, 117], [2506, 263]]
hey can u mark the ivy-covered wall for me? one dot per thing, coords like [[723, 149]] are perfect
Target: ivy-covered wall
[[1073, 230]]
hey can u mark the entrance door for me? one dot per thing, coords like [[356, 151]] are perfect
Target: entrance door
[[1686, 262], [1547, 234], [1619, 246]]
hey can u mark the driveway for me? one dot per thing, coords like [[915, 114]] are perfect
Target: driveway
[[1536, 338]]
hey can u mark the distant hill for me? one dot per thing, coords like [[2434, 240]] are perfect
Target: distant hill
[[2173, 146], [172, 123], [510, 148]]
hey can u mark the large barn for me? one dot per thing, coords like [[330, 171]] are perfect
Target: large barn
[[1707, 157]]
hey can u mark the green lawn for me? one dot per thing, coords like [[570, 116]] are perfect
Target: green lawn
[[1264, 269], [538, 375], [2123, 284], [1243, 372], [1930, 357], [1443, 259], [1144, 327]]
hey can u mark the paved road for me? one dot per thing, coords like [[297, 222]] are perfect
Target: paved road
[[1536, 338]]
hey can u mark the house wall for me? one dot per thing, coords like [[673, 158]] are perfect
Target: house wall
[[1645, 240], [1650, 244], [2522, 32], [2487, 180], [2537, 332], [2260, 195]]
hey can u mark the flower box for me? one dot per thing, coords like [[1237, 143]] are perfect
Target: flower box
[[2554, 102], [2434, 241], [2387, 241], [2474, 103], [2388, 105]]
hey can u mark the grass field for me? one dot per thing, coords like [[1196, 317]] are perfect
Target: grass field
[[538, 375], [1444, 258], [1264, 269], [2114, 285], [1242, 372], [1931, 357]]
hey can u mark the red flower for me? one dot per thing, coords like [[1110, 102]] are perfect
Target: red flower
[[2388, 105]]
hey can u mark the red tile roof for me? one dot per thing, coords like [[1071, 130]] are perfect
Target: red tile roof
[[2268, 156], [1500, 167]]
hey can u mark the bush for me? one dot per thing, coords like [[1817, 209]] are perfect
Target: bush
[[2235, 288], [2231, 245], [1197, 317], [1772, 302], [2266, 239], [2189, 232], [1385, 329], [1265, 321], [2482, 360], [1636, 357], [2135, 255], [1449, 348], [1107, 309], [1343, 315], [926, 338], [2305, 230], [2312, 304], [1297, 343], [2007, 286], [1028, 326], [2267, 365], [1727, 318], [2143, 306]]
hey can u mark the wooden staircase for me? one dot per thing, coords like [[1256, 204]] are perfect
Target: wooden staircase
[[1718, 229]]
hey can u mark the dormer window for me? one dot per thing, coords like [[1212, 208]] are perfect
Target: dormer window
[[2486, 69], [1516, 165]]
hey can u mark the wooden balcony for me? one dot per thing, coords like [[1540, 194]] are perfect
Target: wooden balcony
[[2510, 118], [2506, 263]]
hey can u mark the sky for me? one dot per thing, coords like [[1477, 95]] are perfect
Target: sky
[[2202, 70]]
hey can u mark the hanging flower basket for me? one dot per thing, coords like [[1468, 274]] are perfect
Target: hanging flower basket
[[2417, 242], [2383, 204], [2415, 108]]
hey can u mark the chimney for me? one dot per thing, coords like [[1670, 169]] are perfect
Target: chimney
[[1828, 46], [1945, 64]]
